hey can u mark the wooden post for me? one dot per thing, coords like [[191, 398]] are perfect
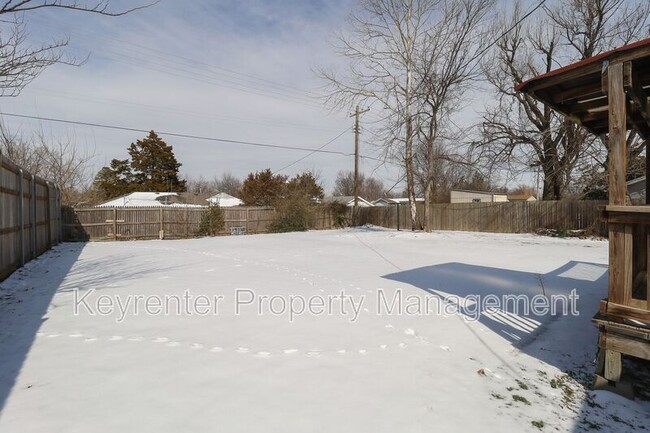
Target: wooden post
[[21, 215], [647, 171], [114, 223], [617, 187], [32, 217], [613, 365], [617, 135], [161, 234]]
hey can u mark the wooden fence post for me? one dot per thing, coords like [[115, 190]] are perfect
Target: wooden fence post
[[161, 235], [21, 214], [32, 216], [114, 223]]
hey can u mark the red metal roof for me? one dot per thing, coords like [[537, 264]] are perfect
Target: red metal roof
[[585, 62]]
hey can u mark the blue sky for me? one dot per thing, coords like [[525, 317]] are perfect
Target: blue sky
[[232, 69], [238, 70]]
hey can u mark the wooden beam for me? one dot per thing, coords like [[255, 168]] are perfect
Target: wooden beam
[[638, 100], [623, 344]]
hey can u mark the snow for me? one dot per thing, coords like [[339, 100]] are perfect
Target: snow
[[311, 372], [145, 199]]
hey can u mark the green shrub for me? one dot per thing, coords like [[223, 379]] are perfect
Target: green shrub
[[213, 222]]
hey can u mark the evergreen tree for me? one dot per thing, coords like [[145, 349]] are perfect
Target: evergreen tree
[[305, 184], [263, 188], [152, 167]]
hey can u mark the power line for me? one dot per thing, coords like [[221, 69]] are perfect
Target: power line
[[149, 107], [519, 21], [142, 59], [313, 152], [176, 134]]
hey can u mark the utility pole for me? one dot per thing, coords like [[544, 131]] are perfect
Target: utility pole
[[356, 115]]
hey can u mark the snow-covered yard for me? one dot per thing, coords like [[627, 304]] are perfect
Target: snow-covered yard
[[349, 365]]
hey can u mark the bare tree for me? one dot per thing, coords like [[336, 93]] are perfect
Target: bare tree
[[370, 188], [227, 183], [525, 134], [381, 47], [448, 63], [198, 185], [61, 162], [20, 63]]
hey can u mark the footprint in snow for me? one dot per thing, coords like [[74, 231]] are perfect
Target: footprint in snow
[[209, 270], [401, 345], [52, 335], [389, 326], [363, 351], [242, 350], [90, 339], [136, 339], [196, 346], [216, 349], [263, 354], [443, 347], [313, 353], [289, 351], [116, 338], [160, 340], [383, 346], [410, 331], [173, 344], [75, 335], [341, 351]]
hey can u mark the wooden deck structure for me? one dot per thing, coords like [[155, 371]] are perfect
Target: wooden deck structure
[[608, 95]]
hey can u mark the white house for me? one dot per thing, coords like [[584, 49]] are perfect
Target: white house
[[147, 199], [348, 200], [224, 200], [392, 201], [465, 196]]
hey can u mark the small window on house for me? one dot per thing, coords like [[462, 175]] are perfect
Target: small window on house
[[476, 200]]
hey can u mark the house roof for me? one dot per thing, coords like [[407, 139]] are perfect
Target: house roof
[[221, 196], [576, 90], [145, 199], [479, 192], [346, 199], [520, 196], [192, 198], [637, 180]]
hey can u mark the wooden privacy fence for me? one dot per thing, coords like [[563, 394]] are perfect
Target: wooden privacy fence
[[510, 217], [124, 223], [30, 216]]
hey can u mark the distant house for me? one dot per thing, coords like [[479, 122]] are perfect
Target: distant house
[[348, 200], [466, 196], [636, 190], [224, 200], [147, 199], [521, 197], [393, 201]]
